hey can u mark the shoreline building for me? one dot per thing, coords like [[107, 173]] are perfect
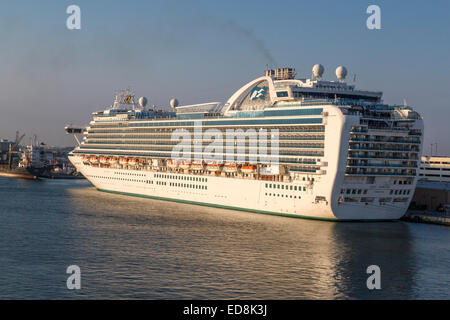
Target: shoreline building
[[435, 168]]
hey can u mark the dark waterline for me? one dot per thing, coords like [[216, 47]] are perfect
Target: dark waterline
[[131, 247]]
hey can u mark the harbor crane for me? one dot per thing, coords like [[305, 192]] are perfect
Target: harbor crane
[[13, 148]]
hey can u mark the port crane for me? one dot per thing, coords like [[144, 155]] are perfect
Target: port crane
[[13, 148]]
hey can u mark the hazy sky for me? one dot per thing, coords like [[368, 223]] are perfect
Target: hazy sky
[[201, 51]]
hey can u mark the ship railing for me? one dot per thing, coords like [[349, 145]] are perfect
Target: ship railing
[[382, 149], [387, 128], [380, 157], [381, 165], [383, 141], [379, 174]]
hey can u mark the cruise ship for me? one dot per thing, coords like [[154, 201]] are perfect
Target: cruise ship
[[281, 145]]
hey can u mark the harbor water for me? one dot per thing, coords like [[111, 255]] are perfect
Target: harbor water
[[133, 248]]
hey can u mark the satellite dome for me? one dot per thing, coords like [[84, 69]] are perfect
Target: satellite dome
[[174, 103], [142, 101], [341, 73], [318, 70]]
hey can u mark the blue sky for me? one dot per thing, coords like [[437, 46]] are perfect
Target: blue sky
[[200, 51]]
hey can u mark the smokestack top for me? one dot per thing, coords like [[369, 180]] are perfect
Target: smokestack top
[[281, 73]]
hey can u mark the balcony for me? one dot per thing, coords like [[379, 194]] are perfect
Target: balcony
[[382, 149], [406, 174], [380, 158], [370, 165], [385, 141]]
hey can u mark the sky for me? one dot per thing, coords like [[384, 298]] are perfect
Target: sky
[[203, 51]]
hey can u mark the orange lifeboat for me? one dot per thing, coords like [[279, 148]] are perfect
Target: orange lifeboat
[[103, 160], [123, 161], [248, 169], [185, 165], [113, 160], [85, 159], [172, 164], [133, 162], [142, 162], [213, 167], [198, 166], [93, 159], [230, 167]]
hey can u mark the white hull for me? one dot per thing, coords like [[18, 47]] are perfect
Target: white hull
[[234, 193]]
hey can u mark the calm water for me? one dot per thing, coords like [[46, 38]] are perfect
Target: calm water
[[131, 247]]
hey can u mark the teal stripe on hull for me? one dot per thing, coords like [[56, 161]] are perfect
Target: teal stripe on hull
[[238, 208]]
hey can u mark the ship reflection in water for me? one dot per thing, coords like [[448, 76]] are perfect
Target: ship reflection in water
[[140, 248]]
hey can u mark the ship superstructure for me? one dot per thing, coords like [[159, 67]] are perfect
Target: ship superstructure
[[279, 145]]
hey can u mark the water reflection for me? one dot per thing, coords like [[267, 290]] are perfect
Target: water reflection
[[355, 246], [141, 248]]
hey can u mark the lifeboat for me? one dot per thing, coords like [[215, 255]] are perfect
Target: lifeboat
[[213, 167], [103, 160], [185, 165], [172, 164], [230, 167], [248, 169], [93, 159], [133, 162], [142, 162], [85, 159], [123, 161], [156, 163], [113, 160], [198, 166]]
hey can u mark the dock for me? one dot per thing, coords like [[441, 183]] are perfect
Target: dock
[[430, 203], [432, 217], [17, 175]]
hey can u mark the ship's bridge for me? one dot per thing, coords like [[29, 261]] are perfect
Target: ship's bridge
[[278, 87]]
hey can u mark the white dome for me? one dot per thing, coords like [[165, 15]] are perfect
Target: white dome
[[142, 101], [174, 103], [341, 73], [318, 70]]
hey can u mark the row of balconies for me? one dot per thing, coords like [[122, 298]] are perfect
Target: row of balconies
[[380, 172], [137, 130], [379, 148], [120, 144], [390, 165], [382, 156], [168, 137], [402, 141]]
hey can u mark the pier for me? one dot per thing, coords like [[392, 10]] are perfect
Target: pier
[[430, 203], [432, 217]]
